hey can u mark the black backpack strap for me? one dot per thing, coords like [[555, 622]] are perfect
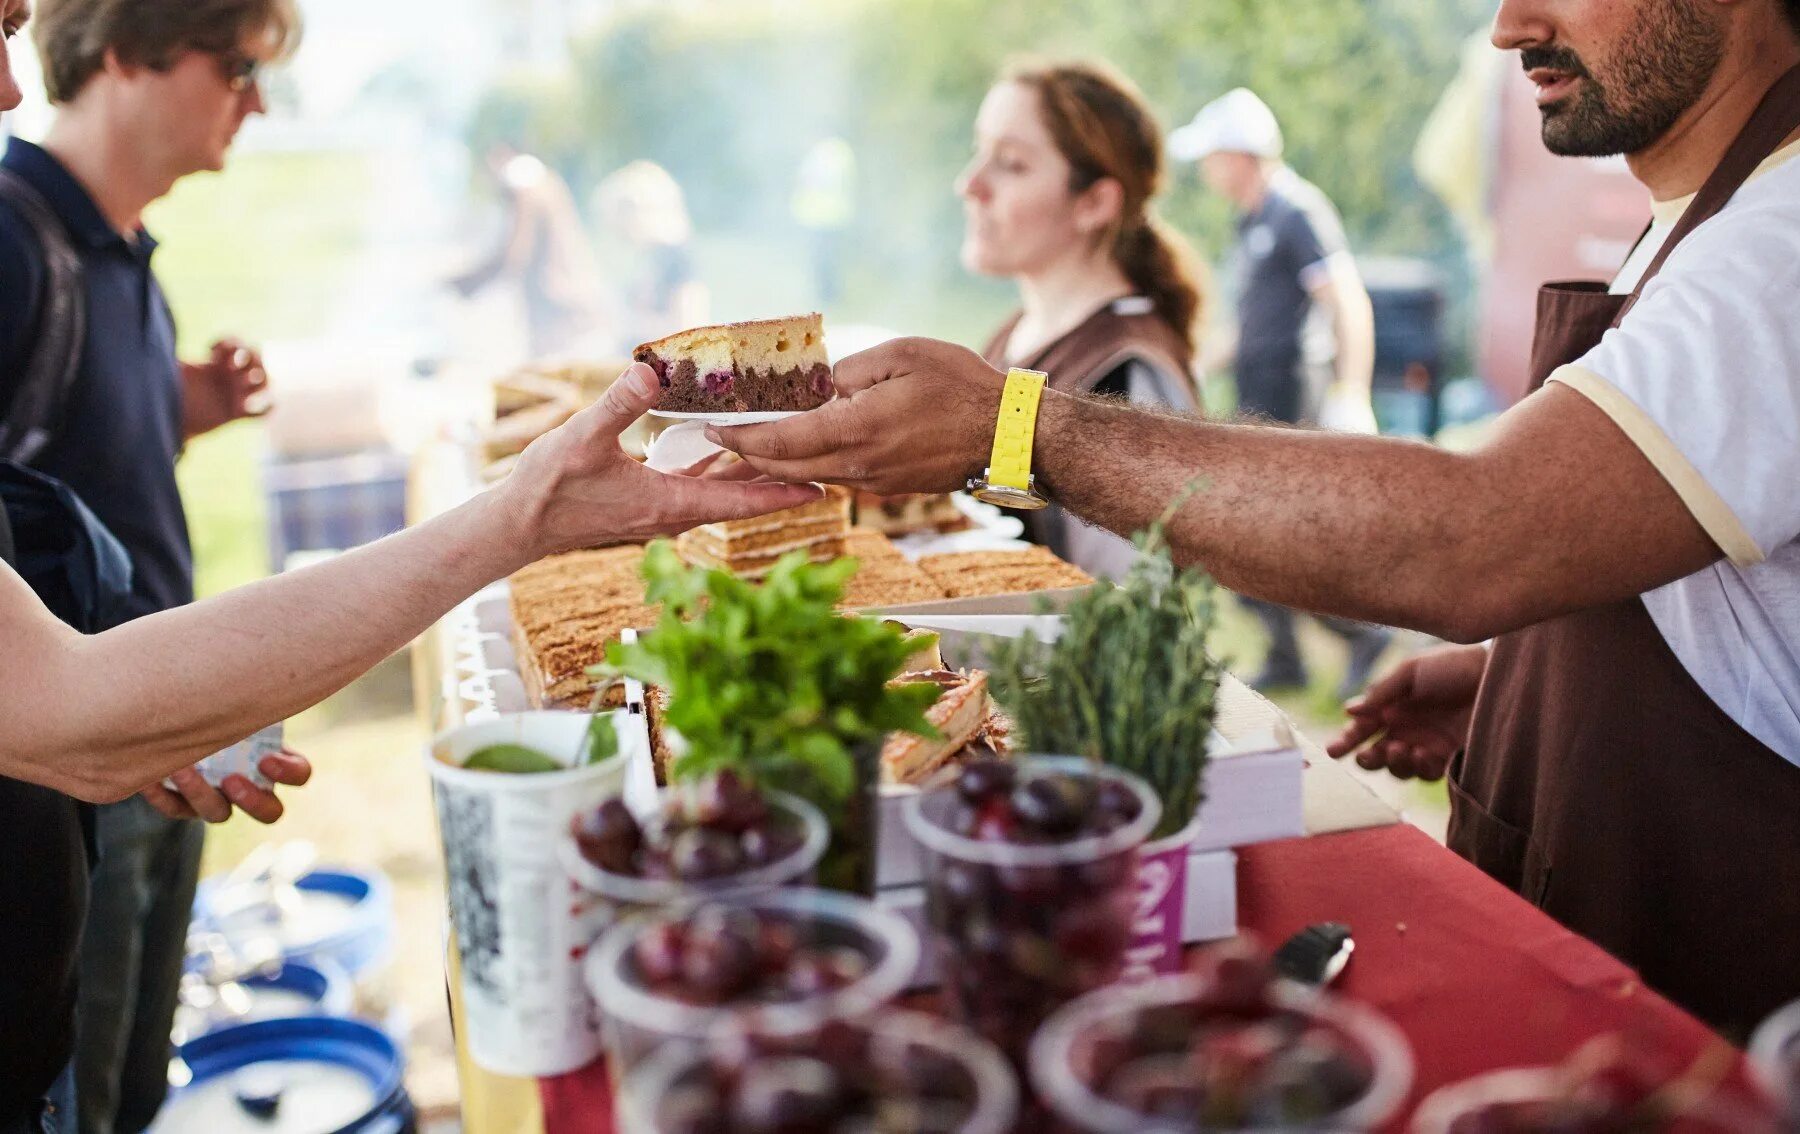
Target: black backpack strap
[[34, 413], [7, 552]]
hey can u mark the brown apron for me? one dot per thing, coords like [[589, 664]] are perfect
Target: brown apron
[[1603, 784]]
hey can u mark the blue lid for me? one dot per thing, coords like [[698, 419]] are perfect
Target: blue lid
[[351, 1044]]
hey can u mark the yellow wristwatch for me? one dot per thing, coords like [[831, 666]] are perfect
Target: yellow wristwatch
[[1008, 482]]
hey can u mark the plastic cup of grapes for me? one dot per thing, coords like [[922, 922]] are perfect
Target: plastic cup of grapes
[[899, 1073], [1775, 1057], [1603, 1088], [782, 965], [1233, 1049], [712, 838], [1029, 885]]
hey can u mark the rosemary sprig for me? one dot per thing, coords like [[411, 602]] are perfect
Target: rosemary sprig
[[1129, 682]]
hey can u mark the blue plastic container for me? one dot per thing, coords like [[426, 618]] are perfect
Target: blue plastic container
[[345, 1074], [324, 987], [369, 938], [363, 940]]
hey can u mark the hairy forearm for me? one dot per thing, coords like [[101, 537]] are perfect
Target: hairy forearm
[[1557, 513], [153, 696]]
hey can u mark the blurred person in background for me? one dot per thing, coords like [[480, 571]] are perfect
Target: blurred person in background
[[824, 205], [643, 207], [1059, 198], [146, 92], [1291, 259], [543, 250]]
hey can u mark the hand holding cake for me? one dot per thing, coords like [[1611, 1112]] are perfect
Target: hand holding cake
[[570, 484], [912, 415]]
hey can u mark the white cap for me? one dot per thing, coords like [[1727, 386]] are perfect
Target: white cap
[[1235, 122]]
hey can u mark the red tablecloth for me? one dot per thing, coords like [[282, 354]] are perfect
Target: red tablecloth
[[1477, 978]]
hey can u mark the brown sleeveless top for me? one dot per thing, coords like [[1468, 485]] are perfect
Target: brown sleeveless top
[[1124, 331]]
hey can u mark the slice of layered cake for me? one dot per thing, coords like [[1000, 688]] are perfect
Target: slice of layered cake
[[959, 715], [905, 515], [758, 367], [749, 548]]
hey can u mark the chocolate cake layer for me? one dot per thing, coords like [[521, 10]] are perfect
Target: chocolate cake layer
[[736, 391]]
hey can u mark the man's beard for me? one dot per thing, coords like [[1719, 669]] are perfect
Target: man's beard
[[1655, 72]]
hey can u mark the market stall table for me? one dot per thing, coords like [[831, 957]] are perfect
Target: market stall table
[[1474, 976]]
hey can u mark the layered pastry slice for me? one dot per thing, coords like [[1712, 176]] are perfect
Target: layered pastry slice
[[763, 366], [967, 574], [749, 548], [960, 717], [907, 515]]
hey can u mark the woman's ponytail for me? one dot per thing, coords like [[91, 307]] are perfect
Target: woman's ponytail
[[1163, 268]]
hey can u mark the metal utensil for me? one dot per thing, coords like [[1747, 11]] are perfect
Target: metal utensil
[[1317, 954]]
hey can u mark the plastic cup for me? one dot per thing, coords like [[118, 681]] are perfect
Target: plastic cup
[[1461, 1105], [638, 1020], [518, 935], [1775, 1058], [1061, 1064], [1022, 928], [895, 1043], [605, 898]]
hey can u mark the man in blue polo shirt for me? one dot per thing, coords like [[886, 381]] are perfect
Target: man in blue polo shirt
[[147, 92], [1291, 260]]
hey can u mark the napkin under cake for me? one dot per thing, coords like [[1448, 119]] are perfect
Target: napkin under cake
[[756, 367]]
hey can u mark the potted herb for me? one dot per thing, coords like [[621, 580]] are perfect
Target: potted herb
[[769, 679], [1129, 683]]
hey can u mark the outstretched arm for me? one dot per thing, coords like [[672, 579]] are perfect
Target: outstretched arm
[[100, 717], [1558, 511]]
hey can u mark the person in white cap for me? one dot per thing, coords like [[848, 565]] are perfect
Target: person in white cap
[[1291, 261]]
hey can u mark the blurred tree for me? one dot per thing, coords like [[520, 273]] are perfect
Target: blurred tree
[[727, 96]]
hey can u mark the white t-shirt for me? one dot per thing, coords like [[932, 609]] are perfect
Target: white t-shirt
[[1704, 376]]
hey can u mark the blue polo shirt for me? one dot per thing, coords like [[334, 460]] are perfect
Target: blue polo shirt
[[122, 433]]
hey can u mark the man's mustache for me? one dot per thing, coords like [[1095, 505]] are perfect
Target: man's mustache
[[1553, 59]]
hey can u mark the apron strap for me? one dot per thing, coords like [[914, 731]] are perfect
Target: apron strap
[[1775, 117]]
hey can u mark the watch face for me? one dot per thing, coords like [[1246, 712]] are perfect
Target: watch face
[[1003, 497]]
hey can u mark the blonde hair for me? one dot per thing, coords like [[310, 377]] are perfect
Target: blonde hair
[[73, 36], [1104, 129]]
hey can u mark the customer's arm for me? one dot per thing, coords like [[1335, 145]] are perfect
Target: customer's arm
[[99, 717], [1341, 292], [1559, 511]]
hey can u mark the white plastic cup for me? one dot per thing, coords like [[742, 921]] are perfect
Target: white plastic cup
[[889, 1034], [1775, 1060], [639, 1020], [1061, 1084], [1443, 1109], [518, 921]]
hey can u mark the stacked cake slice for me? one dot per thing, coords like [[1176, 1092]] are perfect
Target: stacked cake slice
[[565, 610], [749, 548], [961, 714]]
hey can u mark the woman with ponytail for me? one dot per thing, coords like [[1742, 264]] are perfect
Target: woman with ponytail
[[1058, 198]]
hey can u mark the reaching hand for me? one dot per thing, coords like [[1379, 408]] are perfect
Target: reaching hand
[[229, 385], [1416, 718], [913, 415], [197, 799], [576, 487]]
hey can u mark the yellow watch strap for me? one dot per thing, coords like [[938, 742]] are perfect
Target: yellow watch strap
[[1010, 466]]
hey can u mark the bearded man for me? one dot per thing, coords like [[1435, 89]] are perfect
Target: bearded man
[[1626, 752]]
